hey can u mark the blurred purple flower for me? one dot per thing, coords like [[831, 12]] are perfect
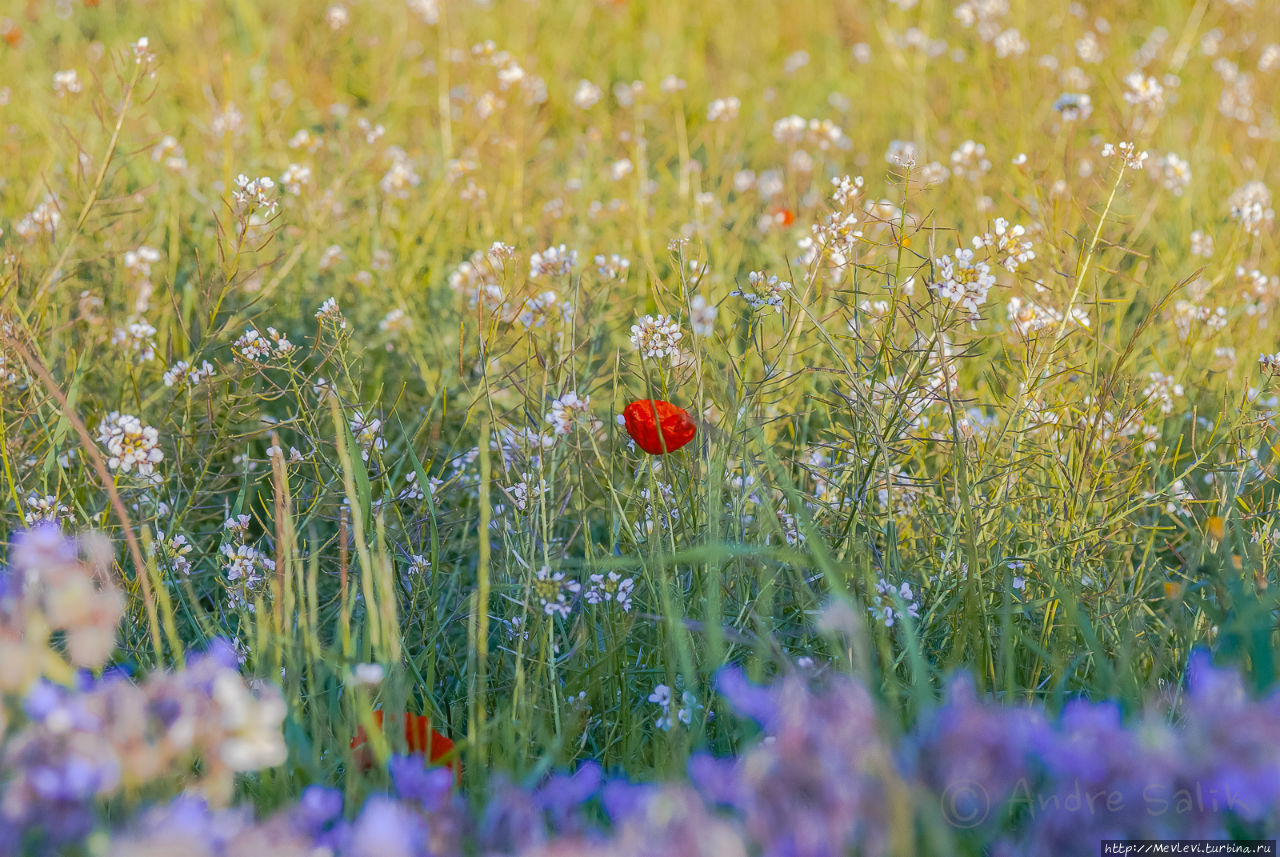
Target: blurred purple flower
[[432, 787], [386, 828]]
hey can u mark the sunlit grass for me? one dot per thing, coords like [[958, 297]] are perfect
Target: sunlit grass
[[1054, 471]]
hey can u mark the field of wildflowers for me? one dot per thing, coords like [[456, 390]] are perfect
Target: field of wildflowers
[[559, 427]]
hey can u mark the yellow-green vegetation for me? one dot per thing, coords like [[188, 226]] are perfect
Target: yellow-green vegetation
[[327, 315]]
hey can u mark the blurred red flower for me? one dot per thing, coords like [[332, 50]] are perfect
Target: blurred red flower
[[421, 739], [658, 427]]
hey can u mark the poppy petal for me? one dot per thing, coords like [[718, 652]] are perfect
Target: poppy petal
[[419, 737], [658, 427]]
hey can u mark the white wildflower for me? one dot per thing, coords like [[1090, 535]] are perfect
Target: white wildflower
[[183, 375], [612, 587], [553, 262], [130, 445], [329, 312], [1007, 244], [553, 592], [702, 316], [368, 434], [767, 291], [656, 337], [964, 280], [66, 83]]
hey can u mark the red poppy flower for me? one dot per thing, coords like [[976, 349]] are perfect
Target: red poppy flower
[[658, 427], [418, 735], [784, 215]]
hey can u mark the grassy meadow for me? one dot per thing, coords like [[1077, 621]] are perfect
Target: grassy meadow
[[318, 323]]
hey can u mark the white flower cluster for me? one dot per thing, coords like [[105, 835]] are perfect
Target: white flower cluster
[[255, 195], [658, 510], [246, 568], [330, 312], [702, 316], [138, 338], [1143, 91], [934, 173], [337, 17], [45, 510], [613, 267], [847, 190], [983, 15], [539, 308], [570, 411], [130, 445], [724, 109], [295, 178], [1162, 390], [368, 433], [295, 456], [613, 587], [395, 322], [766, 291], [255, 347], [43, 220], [553, 262], [413, 491], [553, 592], [174, 551], [426, 10], [183, 375], [1201, 244], [142, 53], [902, 153], [1269, 59], [661, 696], [1028, 317], [1011, 43], [1127, 153], [884, 608], [66, 83], [138, 262], [228, 121], [478, 278], [7, 375], [964, 280], [656, 337], [587, 95], [970, 161], [400, 176], [254, 735], [1180, 501], [331, 257], [1173, 172], [1007, 243], [138, 265], [304, 139], [1251, 206], [1187, 315], [1256, 282], [823, 135], [169, 152], [835, 239]]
